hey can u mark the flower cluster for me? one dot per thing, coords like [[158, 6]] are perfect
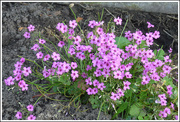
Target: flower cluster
[[100, 63], [30, 117]]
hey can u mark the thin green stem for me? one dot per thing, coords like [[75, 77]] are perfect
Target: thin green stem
[[123, 29], [100, 110]]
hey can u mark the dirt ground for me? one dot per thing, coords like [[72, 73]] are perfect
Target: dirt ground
[[41, 15]]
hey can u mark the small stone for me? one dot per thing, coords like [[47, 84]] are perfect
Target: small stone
[[38, 110], [18, 21], [10, 109], [24, 49], [18, 36], [25, 20]]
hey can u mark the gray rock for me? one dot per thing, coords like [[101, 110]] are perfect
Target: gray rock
[[18, 36], [25, 20], [38, 110], [5, 38], [9, 109], [24, 49], [18, 21]]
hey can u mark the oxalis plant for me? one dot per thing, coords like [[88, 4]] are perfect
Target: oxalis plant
[[118, 75]]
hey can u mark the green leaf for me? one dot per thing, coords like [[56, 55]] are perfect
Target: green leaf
[[122, 42], [160, 54], [142, 113], [136, 110], [121, 108], [142, 45], [168, 81], [140, 118], [128, 93], [175, 93], [108, 87], [65, 79], [155, 52], [94, 100], [146, 118]]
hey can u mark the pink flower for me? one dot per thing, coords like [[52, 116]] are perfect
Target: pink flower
[[17, 71], [155, 76], [90, 34], [88, 68], [101, 86], [61, 44], [99, 31], [94, 91], [9, 81], [150, 53], [163, 102], [74, 74], [145, 80], [126, 85], [46, 74], [42, 41], [162, 114], [18, 65], [158, 62], [92, 23], [170, 50], [39, 55], [72, 23], [26, 71], [106, 72], [98, 72], [84, 75], [88, 81], [18, 115], [71, 32], [172, 106], [162, 74], [30, 107], [118, 74], [167, 110], [162, 96], [156, 34], [169, 88], [55, 56], [120, 92], [149, 25], [118, 21], [60, 71], [67, 67], [60, 26], [128, 75], [89, 91], [74, 65], [31, 28], [18, 77], [95, 83], [27, 35], [77, 40], [31, 117], [176, 117], [35, 47], [114, 96], [22, 60], [24, 87], [71, 51], [21, 82], [46, 57], [166, 58], [170, 93], [166, 69]]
